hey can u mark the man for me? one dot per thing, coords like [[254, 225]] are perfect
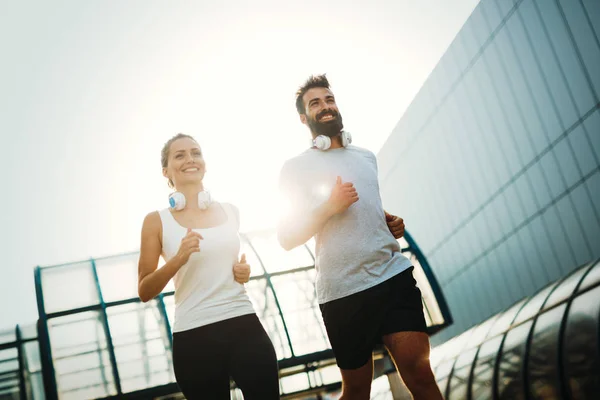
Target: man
[[365, 286]]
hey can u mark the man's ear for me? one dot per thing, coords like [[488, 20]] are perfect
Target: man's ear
[[303, 118]]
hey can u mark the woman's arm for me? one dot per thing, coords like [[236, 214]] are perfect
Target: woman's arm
[[151, 279]]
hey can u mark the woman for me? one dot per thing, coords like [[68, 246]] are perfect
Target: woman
[[216, 334]]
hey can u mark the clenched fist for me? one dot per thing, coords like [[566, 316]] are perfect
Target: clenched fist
[[189, 244], [343, 195], [241, 270], [395, 225]]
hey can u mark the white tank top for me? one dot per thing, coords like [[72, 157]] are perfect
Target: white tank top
[[205, 290]]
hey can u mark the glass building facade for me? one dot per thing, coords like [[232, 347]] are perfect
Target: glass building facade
[[543, 347], [495, 165], [98, 340]]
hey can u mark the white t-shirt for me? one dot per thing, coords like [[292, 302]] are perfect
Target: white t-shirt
[[355, 249], [205, 290]]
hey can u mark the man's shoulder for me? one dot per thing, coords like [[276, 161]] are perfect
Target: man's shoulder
[[362, 152], [298, 160]]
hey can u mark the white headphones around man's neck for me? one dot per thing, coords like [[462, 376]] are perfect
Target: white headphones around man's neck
[[177, 200], [323, 142]]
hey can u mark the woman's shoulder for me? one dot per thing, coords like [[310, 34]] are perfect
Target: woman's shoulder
[[226, 204], [152, 221], [231, 208]]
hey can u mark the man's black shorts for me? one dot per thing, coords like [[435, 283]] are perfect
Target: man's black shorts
[[356, 324]]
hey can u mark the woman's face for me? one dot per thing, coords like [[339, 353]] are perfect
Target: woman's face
[[185, 162]]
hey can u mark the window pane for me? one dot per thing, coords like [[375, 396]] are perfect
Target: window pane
[[543, 355], [460, 376], [141, 344], [591, 278], [118, 277], [580, 346], [504, 321], [565, 288], [81, 359], [68, 287], [483, 373], [510, 368], [534, 304], [266, 308], [274, 257], [298, 302]]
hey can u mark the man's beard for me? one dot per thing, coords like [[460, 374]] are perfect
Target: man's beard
[[330, 128]]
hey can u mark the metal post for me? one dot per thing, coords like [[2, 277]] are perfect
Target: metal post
[[109, 342], [48, 373]]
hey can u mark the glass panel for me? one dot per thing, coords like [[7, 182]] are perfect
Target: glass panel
[[442, 384], [9, 363], [438, 354], [256, 268], [483, 373], [584, 38], [444, 369], [294, 383], [28, 331], [328, 374], [504, 321], [542, 368], [458, 344], [431, 309], [481, 331], [68, 287], [380, 389], [534, 304], [567, 57], [460, 376], [565, 288], [142, 347], [592, 278], [37, 386], [580, 346], [297, 298], [510, 368], [118, 277], [32, 356], [442, 375], [274, 257], [80, 356], [548, 63], [8, 336], [266, 309]]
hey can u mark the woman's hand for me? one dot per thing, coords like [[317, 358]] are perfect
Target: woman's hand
[[189, 244], [241, 270]]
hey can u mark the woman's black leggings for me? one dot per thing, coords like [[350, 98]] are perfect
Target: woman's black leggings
[[206, 357]]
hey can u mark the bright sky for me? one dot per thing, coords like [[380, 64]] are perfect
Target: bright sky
[[90, 90]]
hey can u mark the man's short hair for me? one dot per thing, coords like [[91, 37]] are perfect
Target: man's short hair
[[313, 81]]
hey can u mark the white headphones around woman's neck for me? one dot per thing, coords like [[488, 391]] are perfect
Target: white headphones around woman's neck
[[177, 200], [323, 142]]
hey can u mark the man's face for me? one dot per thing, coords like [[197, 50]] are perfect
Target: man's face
[[321, 113]]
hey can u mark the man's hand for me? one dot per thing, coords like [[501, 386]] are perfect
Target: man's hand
[[395, 225], [343, 195]]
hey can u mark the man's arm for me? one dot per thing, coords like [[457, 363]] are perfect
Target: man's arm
[[296, 229]]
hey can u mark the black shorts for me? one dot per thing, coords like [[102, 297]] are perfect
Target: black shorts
[[356, 324]]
